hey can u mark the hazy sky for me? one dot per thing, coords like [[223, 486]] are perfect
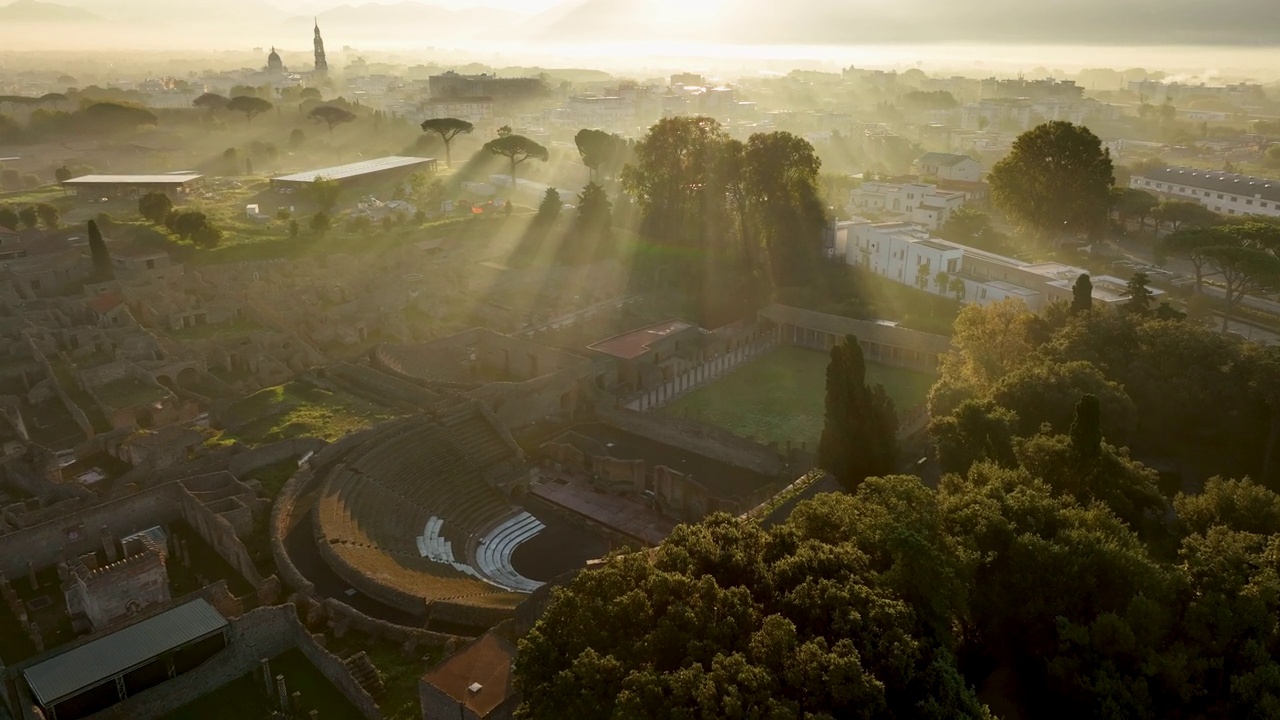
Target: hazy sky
[[513, 5], [1245, 34]]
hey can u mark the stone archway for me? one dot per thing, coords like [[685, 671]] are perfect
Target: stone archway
[[188, 377]]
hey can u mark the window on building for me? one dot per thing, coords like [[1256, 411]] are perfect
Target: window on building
[[1219, 196], [1248, 202]]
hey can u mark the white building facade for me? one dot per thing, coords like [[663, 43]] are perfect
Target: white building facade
[[908, 255], [948, 166], [911, 202], [1221, 192]]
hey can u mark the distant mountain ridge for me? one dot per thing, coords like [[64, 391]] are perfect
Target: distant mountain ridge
[[29, 11], [843, 22]]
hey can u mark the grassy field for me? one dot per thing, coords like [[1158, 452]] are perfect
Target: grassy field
[[299, 410], [779, 397], [246, 699]]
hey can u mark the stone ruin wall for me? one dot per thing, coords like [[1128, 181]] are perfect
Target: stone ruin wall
[[701, 438], [68, 537], [108, 593], [262, 633]]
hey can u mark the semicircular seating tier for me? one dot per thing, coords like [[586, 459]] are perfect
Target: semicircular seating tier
[[412, 516]]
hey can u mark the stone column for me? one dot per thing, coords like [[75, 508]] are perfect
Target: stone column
[[108, 544], [282, 693], [31, 575]]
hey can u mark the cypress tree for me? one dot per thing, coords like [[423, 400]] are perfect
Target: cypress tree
[[102, 269], [1086, 427], [859, 435], [1082, 295]]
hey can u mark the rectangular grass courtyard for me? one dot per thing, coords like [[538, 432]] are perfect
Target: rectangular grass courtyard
[[779, 396]]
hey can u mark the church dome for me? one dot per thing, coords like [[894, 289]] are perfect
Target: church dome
[[274, 62]]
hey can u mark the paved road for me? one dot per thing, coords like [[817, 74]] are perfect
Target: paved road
[[1140, 252], [1252, 333]]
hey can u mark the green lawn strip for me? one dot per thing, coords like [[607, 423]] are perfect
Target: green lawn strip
[[779, 397]]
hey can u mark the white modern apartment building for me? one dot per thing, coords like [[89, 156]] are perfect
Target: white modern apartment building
[[1222, 192], [911, 202], [907, 254]]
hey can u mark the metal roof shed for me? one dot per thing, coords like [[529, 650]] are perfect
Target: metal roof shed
[[354, 171], [109, 657]]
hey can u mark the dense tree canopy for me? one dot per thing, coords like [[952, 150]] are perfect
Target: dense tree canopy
[[603, 153], [1175, 392], [115, 117], [155, 207], [1004, 591], [1178, 214], [1134, 204], [732, 221], [1057, 180]]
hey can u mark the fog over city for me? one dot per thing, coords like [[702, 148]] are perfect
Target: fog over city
[[599, 359], [1230, 37]]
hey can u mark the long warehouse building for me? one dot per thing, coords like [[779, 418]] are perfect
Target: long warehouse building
[[365, 172]]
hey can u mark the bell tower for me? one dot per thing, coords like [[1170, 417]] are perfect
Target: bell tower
[[322, 65]]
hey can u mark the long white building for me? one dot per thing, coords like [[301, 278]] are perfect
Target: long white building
[[905, 253], [1222, 192]]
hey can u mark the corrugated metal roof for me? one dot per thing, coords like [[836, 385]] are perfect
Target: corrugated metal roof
[[342, 172], [102, 659], [171, 179], [1223, 182]]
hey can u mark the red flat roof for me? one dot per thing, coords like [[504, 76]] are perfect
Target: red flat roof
[[635, 343], [485, 663]]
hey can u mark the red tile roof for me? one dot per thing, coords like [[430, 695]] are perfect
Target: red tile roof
[[104, 303], [487, 662], [635, 343]]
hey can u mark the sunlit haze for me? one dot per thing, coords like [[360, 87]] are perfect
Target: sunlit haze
[[645, 359]]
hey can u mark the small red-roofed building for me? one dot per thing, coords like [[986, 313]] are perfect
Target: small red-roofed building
[[108, 307], [475, 683]]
